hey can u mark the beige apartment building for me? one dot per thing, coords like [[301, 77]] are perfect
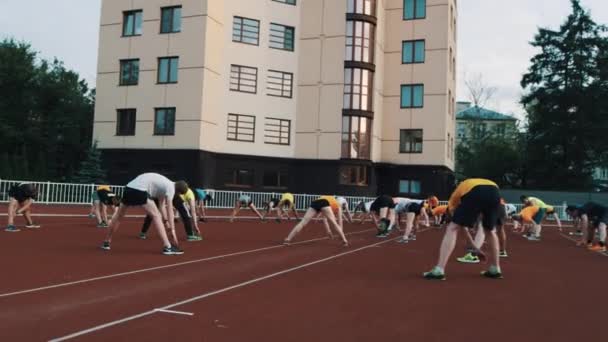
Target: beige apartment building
[[317, 96]]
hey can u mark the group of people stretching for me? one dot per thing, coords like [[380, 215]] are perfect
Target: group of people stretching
[[474, 203]]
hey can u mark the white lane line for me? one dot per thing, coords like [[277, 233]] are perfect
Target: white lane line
[[38, 289], [575, 240], [175, 312], [213, 293]]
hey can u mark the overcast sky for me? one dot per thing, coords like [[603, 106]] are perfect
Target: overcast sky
[[493, 36]]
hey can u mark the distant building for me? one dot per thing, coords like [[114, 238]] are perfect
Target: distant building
[[474, 122]]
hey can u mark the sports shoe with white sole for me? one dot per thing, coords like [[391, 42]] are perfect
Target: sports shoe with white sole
[[32, 226], [533, 238], [12, 229], [105, 246], [469, 258]]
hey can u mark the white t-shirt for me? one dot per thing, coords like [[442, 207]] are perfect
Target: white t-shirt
[[510, 209], [368, 206], [342, 201], [157, 186], [404, 203]]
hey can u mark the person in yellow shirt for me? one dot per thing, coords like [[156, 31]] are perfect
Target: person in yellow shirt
[[472, 197], [537, 219], [102, 198], [282, 205], [439, 214], [327, 207]]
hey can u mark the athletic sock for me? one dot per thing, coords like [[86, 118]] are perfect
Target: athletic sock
[[494, 269]]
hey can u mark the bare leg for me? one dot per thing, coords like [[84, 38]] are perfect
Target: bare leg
[[502, 238], [602, 229], [104, 212], [255, 210], [447, 244], [327, 229], [329, 214], [27, 214], [157, 220], [409, 223], [480, 237], [494, 246], [310, 213], [237, 208], [120, 213], [97, 204], [12, 211]]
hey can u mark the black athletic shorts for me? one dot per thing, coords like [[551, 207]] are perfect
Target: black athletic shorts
[[274, 202], [414, 208], [132, 197], [105, 196], [17, 192], [602, 218], [319, 204], [482, 199], [383, 201]]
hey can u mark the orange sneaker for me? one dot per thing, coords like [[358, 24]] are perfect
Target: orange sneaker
[[598, 248]]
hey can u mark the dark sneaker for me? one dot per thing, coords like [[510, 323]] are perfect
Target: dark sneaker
[[403, 240], [32, 226], [177, 251], [142, 236], [382, 235], [102, 225], [533, 238], [503, 254], [106, 245], [12, 229], [413, 237], [433, 276], [491, 275]]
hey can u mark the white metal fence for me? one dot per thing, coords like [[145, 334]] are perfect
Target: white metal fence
[[80, 194]]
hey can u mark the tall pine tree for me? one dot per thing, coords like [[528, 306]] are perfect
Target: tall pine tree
[[91, 170], [563, 100]]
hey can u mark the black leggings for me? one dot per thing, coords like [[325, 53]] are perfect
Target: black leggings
[[183, 213]]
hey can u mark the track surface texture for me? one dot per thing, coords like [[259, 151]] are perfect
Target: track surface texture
[[241, 284]]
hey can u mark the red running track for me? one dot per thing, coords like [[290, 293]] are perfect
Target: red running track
[[369, 291]]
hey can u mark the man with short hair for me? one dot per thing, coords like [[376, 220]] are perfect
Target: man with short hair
[[598, 215]]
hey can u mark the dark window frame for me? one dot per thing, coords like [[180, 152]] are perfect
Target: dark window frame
[[413, 51], [234, 118], [279, 175], [241, 35], [346, 141], [355, 4], [167, 110], [132, 73], [411, 86], [234, 175], [361, 175], [280, 85], [282, 35], [134, 13], [169, 58], [270, 129], [414, 17], [353, 85], [352, 55], [412, 141], [131, 122], [171, 28], [238, 77]]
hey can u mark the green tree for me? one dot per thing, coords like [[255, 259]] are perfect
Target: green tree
[[566, 103], [46, 114], [91, 170]]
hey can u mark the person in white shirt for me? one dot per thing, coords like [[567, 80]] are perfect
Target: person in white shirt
[[142, 191], [411, 209], [345, 212]]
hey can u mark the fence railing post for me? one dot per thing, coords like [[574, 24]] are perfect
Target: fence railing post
[[48, 189]]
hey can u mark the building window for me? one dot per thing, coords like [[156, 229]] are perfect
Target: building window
[[461, 129], [245, 30], [129, 72], [279, 84], [354, 175], [367, 7], [356, 137], [500, 129], [479, 130], [275, 179], [131, 23], [241, 127], [125, 122], [171, 19], [360, 41], [243, 78], [167, 69], [407, 186], [412, 95], [412, 51], [410, 141], [358, 86], [281, 37], [414, 9], [164, 121], [239, 178], [277, 131], [289, 2], [449, 146]]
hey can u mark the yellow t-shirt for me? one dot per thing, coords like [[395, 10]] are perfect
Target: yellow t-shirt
[[103, 187], [189, 195], [440, 210], [288, 197], [537, 202], [464, 188]]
